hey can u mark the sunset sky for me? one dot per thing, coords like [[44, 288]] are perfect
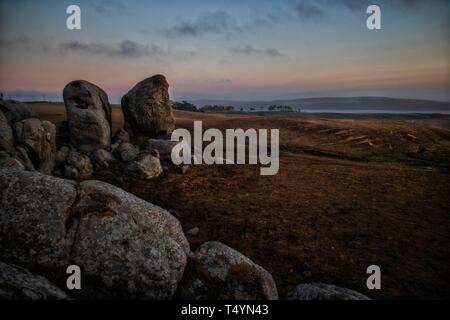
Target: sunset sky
[[228, 49]]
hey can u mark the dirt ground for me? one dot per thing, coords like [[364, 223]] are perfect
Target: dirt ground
[[352, 191]]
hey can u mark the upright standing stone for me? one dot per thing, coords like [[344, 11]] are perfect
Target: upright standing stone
[[88, 116], [146, 108], [37, 138]]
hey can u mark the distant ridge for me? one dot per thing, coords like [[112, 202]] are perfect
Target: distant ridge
[[331, 103]]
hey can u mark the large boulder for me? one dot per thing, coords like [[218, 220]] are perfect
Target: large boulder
[[88, 116], [34, 209], [321, 291], [6, 134], [15, 111], [145, 167], [17, 283], [218, 272], [146, 108], [128, 242], [38, 139], [125, 246]]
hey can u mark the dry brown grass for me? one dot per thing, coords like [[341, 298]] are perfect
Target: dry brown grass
[[323, 217]]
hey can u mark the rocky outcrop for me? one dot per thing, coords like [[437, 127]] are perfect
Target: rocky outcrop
[[145, 167], [37, 138], [146, 108], [217, 272], [17, 283], [6, 134], [125, 247], [15, 111], [321, 291], [88, 116]]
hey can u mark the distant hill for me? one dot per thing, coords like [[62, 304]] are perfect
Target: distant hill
[[335, 104]]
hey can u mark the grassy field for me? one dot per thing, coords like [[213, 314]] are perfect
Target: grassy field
[[352, 191]]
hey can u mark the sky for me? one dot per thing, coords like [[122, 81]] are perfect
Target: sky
[[228, 49]]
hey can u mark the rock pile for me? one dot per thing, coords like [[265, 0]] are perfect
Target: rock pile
[[85, 145], [88, 128]]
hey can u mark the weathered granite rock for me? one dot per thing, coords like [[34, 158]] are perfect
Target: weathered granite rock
[[22, 155], [38, 139], [121, 135], [127, 152], [128, 242], [146, 108], [88, 116], [6, 134], [17, 283], [15, 111], [217, 272], [78, 166], [321, 291], [34, 209], [10, 162], [145, 167], [102, 159], [62, 154], [125, 247]]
